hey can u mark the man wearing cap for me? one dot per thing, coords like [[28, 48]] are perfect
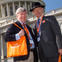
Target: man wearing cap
[[14, 33], [47, 34]]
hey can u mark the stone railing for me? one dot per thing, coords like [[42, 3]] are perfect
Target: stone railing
[[7, 1], [54, 12], [7, 20]]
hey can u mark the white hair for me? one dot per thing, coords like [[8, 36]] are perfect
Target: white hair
[[20, 9]]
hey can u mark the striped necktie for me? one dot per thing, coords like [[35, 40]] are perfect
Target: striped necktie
[[38, 22]]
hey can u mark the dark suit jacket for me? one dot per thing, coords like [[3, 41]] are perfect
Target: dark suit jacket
[[50, 39], [10, 36]]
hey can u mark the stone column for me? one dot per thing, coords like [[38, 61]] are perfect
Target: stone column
[[19, 4], [2, 50], [13, 8], [29, 7], [2, 11], [30, 4], [25, 5], [8, 13]]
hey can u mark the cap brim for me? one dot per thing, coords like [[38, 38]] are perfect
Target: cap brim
[[36, 7], [32, 9]]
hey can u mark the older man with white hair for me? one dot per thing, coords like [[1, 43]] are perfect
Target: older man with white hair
[[14, 33]]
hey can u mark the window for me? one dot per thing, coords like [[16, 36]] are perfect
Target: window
[[10, 9], [22, 4], [5, 9], [16, 5]]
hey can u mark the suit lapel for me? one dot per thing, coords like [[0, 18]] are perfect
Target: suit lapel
[[43, 24]]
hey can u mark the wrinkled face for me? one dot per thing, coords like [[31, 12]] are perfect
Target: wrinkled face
[[22, 16], [38, 11]]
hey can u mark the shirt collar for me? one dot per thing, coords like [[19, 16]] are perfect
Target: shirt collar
[[22, 22], [40, 17]]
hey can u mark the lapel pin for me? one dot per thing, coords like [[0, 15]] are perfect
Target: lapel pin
[[43, 21]]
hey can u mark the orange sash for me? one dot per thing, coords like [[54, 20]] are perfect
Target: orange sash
[[27, 31]]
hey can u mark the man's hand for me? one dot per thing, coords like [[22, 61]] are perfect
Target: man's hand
[[60, 51], [21, 33]]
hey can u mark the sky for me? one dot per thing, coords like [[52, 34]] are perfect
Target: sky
[[52, 4]]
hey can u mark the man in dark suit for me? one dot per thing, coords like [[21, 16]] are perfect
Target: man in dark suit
[[47, 33], [14, 33]]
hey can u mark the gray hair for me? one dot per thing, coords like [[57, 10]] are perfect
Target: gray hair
[[20, 9]]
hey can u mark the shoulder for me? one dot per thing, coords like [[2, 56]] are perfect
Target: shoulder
[[50, 17], [12, 26]]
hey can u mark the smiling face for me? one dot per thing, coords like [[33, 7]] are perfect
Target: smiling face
[[21, 16], [38, 12]]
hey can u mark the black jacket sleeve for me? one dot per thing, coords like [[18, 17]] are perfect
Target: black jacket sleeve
[[10, 33], [56, 29]]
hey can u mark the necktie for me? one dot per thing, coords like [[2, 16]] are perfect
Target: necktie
[[38, 22], [38, 25]]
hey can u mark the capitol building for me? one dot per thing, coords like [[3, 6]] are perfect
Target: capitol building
[[7, 16]]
